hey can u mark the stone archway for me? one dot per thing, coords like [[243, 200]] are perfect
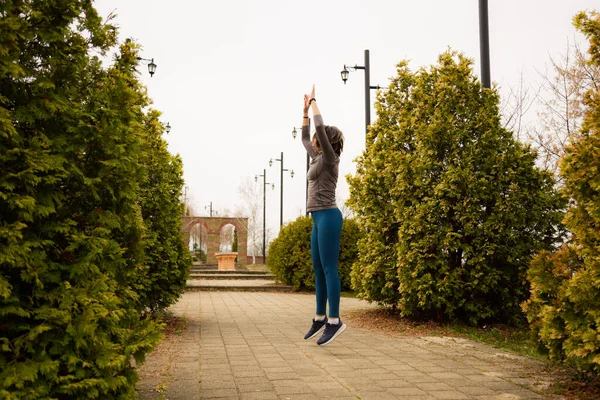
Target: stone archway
[[213, 227]]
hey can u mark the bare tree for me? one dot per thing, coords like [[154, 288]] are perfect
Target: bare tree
[[562, 107], [188, 200], [346, 211], [251, 195], [516, 105]]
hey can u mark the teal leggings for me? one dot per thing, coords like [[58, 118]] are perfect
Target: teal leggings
[[325, 251]]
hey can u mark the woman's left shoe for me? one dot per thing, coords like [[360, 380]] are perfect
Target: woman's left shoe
[[331, 332]]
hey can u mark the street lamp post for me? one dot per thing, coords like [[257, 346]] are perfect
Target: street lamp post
[[151, 65], [484, 43], [147, 61], [367, 67], [281, 196], [211, 212], [294, 134], [265, 183]]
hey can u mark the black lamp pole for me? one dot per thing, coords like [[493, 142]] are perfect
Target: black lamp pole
[[484, 43], [209, 209], [281, 196], [368, 87], [265, 183], [294, 133]]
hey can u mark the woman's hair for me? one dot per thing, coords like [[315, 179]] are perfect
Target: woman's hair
[[336, 138]]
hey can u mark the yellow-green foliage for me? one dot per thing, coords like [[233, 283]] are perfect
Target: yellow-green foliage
[[289, 254], [452, 205], [564, 308], [82, 178]]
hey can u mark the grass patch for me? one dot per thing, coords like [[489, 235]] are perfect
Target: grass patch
[[497, 335], [502, 337]]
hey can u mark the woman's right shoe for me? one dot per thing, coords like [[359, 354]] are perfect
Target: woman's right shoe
[[316, 327], [331, 332]]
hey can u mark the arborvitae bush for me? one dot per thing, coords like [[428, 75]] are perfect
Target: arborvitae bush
[[453, 206], [289, 254], [166, 257], [74, 218], [564, 308]]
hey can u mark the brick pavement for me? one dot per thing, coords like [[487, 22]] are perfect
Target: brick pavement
[[249, 345]]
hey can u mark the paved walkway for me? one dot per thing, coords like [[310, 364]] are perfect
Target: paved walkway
[[248, 345]]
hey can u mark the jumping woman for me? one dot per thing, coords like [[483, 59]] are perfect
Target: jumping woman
[[324, 150]]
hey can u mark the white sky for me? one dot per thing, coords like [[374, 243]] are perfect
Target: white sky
[[232, 73]]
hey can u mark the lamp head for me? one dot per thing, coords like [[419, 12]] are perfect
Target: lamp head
[[344, 74], [152, 67]]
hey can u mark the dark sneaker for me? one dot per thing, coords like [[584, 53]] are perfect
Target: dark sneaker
[[315, 328], [331, 332]]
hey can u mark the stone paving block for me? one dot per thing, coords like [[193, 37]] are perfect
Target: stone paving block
[[217, 376], [255, 387], [460, 383], [251, 380], [425, 378], [312, 371], [301, 396], [246, 373], [325, 379], [399, 367], [449, 395], [259, 396], [282, 369], [382, 376], [210, 385], [433, 386], [184, 390], [279, 376], [292, 389], [394, 383], [408, 391], [373, 395], [446, 375]]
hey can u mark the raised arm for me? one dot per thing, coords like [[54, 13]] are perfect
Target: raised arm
[[306, 130], [328, 153]]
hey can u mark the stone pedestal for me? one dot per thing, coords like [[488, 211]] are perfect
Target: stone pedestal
[[226, 261]]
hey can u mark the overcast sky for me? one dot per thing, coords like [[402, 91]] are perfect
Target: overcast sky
[[232, 73]]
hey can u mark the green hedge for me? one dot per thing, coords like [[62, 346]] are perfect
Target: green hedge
[[564, 308], [289, 254]]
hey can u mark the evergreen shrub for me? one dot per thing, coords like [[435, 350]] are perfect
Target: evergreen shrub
[[85, 190], [452, 205], [564, 308], [290, 258]]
